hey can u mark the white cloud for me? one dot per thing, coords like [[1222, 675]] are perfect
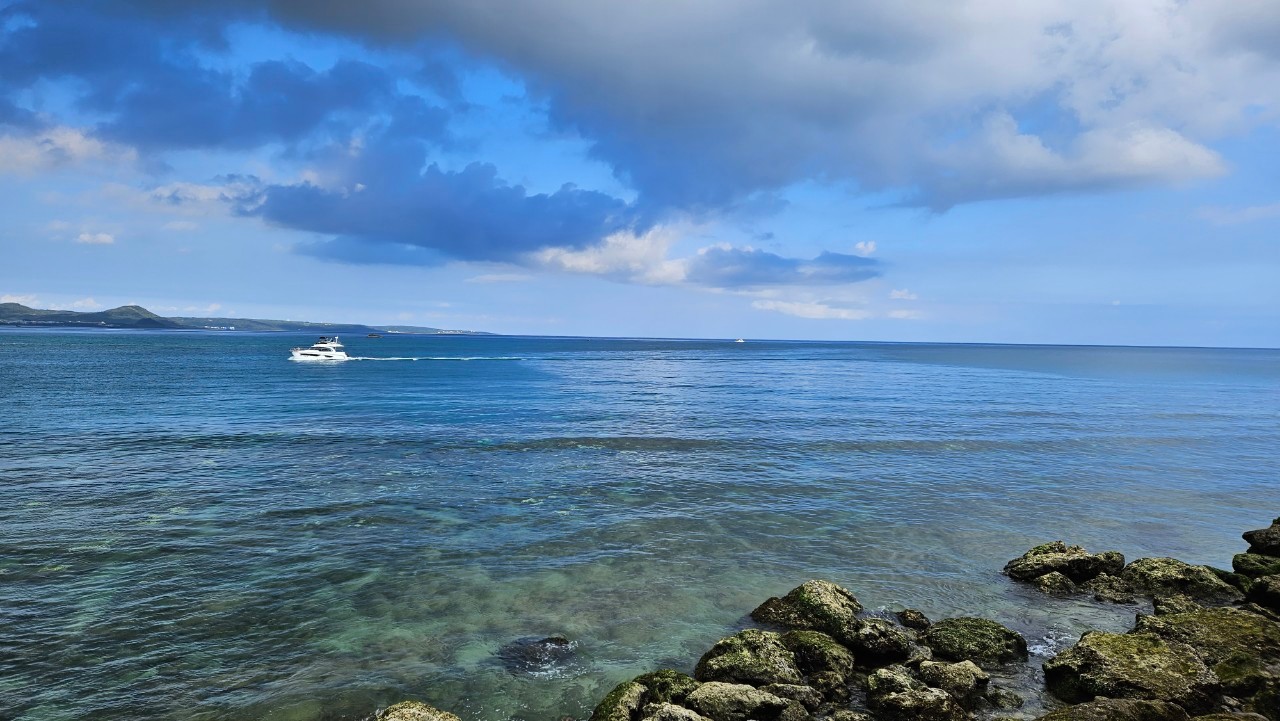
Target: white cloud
[[1221, 215], [28, 300], [864, 248], [905, 314], [903, 294], [803, 309], [624, 256], [499, 278], [54, 148], [86, 304], [96, 238]]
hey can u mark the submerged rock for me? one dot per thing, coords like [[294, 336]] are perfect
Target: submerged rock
[[979, 640], [735, 702], [1264, 540], [1169, 576], [1073, 562], [752, 657], [536, 655], [817, 605], [1134, 666], [1115, 709], [415, 711]]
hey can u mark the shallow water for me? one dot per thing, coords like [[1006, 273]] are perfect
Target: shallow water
[[194, 528]]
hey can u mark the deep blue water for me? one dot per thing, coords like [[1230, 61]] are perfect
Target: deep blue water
[[193, 527]]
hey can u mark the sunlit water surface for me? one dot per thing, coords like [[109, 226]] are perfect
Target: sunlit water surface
[[193, 527]]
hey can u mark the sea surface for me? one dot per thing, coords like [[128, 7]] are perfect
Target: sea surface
[[194, 527]]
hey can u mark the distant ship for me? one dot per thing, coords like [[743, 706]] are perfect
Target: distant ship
[[325, 349], [739, 341], [375, 335]]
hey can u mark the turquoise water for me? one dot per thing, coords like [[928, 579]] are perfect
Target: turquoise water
[[194, 527]]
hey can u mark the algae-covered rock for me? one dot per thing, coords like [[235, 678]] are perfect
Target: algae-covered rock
[[848, 715], [1239, 581], [669, 712], [1266, 592], [1231, 716], [1168, 576], [752, 657], [533, 655], [925, 704], [913, 619], [833, 686], [1132, 665], [1115, 709], [1055, 584], [816, 652], [621, 704], [1242, 648], [1255, 565], [415, 711], [1073, 562], [666, 686], [975, 639], [878, 642], [1264, 540], [1168, 605], [735, 702], [818, 605], [963, 680], [807, 696], [1003, 698], [1109, 588], [891, 679]]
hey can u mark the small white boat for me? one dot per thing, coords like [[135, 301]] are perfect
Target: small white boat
[[740, 340], [325, 349]]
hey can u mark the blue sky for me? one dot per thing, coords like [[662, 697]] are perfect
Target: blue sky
[[1062, 172]]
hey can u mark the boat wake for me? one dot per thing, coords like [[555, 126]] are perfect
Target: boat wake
[[437, 358]]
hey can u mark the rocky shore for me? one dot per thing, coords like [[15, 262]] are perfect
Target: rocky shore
[[1209, 651]]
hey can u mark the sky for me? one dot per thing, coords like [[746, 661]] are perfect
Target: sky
[[1076, 171]]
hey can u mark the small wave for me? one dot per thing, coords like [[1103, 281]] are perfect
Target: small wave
[[1050, 644], [436, 358]]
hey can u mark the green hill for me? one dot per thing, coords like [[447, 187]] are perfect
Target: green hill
[[134, 316]]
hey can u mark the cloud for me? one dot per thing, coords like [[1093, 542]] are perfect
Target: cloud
[[623, 256], [96, 238], [86, 304], [27, 300], [903, 314], [903, 294], [816, 310], [1222, 215], [180, 226], [54, 148], [727, 267], [864, 248]]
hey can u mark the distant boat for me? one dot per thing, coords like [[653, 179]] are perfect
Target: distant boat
[[739, 341], [325, 349], [374, 335]]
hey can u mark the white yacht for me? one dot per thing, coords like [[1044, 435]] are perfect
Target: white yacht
[[325, 349]]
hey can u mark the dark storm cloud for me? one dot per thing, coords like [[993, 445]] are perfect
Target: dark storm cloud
[[748, 268]]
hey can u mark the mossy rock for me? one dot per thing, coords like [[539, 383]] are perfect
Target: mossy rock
[[1169, 576], [963, 680], [816, 652], [1231, 716], [415, 711], [1266, 592], [1264, 540], [980, 640], [621, 704], [1073, 562], [1135, 666], [807, 696], [1239, 581], [1109, 588], [878, 642], [735, 702], [1115, 709], [1055, 584], [924, 704], [1255, 565], [666, 686], [913, 619], [669, 712], [1239, 646], [817, 605], [753, 657]]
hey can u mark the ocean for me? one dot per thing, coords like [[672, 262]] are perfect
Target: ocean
[[194, 527]]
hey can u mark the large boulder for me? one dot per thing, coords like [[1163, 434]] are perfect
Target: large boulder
[[735, 702], [979, 640], [752, 657], [669, 712], [964, 680], [817, 605], [666, 686], [1168, 576], [623, 703], [1073, 562], [1132, 665], [1118, 709], [878, 642], [1242, 648], [1255, 565], [816, 652], [895, 695], [1265, 540], [415, 711], [1266, 592]]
